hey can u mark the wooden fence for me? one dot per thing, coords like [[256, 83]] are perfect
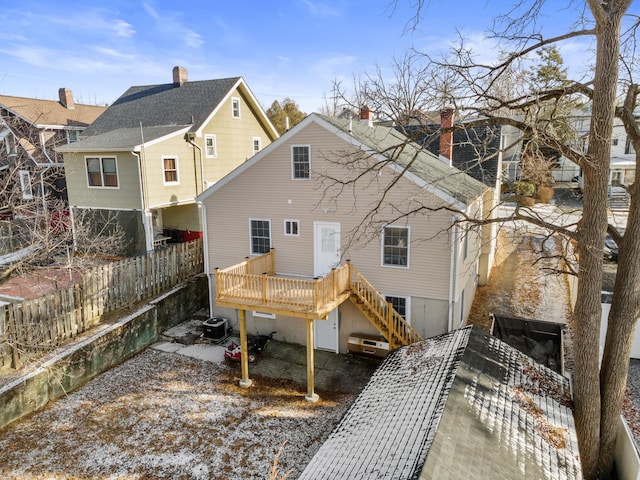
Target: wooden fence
[[46, 322]]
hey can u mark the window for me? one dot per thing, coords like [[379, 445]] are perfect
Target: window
[[25, 184], [170, 169], [628, 148], [257, 144], [395, 246], [210, 146], [10, 145], [291, 228], [400, 305], [235, 107], [264, 314], [300, 161], [614, 142], [102, 171], [260, 236], [73, 136]]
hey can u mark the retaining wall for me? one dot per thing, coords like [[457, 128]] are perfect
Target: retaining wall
[[110, 345]]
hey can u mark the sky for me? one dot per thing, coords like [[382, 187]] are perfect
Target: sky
[[287, 48]]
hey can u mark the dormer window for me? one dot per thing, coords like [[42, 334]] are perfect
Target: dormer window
[[73, 136], [235, 107]]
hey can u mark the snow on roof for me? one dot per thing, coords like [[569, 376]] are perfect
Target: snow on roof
[[461, 405]]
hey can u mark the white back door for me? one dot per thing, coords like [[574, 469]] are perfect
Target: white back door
[[326, 257]]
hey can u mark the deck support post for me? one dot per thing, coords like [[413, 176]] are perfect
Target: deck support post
[[244, 350], [311, 396]]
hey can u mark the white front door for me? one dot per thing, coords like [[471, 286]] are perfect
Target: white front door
[[326, 257]]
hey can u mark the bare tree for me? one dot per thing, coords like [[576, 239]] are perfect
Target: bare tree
[[497, 94]]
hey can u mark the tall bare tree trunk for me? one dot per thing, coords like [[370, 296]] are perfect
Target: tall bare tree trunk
[[622, 323], [588, 402]]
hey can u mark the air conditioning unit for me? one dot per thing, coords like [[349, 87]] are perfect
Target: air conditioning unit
[[368, 345], [216, 329]]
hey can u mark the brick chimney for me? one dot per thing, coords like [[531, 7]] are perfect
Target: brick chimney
[[366, 116], [180, 76], [66, 98], [446, 138]]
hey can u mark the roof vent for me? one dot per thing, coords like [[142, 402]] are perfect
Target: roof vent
[[180, 76]]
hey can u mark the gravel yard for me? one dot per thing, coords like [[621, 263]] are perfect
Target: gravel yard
[[165, 415]]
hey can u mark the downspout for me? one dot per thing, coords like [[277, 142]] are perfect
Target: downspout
[[452, 282], [205, 248], [190, 136], [148, 229]]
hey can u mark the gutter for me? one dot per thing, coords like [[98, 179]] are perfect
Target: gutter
[[148, 229]]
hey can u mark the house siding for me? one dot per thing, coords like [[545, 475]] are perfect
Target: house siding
[[234, 138], [126, 196], [266, 190]]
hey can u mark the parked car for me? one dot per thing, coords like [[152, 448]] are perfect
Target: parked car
[[611, 247]]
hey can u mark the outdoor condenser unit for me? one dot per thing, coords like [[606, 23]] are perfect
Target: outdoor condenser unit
[[368, 345], [216, 328]]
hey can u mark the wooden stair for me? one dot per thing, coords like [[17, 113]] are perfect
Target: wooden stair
[[380, 313]]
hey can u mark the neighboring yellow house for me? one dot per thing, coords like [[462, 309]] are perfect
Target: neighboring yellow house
[[159, 146]]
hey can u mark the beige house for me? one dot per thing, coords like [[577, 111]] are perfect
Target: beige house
[[30, 131], [158, 147], [337, 210]]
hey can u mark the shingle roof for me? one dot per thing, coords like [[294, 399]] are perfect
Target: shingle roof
[[164, 105], [461, 405], [475, 150], [50, 112], [418, 161], [120, 139]]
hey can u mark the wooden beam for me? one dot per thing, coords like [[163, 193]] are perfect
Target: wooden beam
[[244, 351], [311, 396]]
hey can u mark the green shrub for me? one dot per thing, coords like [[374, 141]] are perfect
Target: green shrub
[[525, 189]]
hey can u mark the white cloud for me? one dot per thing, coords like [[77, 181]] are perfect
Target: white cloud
[[321, 9]]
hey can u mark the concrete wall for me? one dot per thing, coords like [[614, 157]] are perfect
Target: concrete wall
[[82, 361]]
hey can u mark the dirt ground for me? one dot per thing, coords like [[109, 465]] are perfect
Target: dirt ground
[[521, 283]]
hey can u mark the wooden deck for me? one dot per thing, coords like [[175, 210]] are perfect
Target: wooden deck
[[254, 285]]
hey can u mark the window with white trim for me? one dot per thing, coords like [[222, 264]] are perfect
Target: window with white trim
[[300, 162], [102, 171], [400, 305], [257, 144], [235, 107], [170, 170], [395, 246], [292, 228], [210, 146], [260, 232], [25, 184], [73, 136]]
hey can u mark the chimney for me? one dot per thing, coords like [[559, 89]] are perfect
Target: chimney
[[446, 138], [180, 76], [366, 116], [66, 98]]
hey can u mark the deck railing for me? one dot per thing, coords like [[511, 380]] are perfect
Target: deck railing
[[393, 326], [241, 283]]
